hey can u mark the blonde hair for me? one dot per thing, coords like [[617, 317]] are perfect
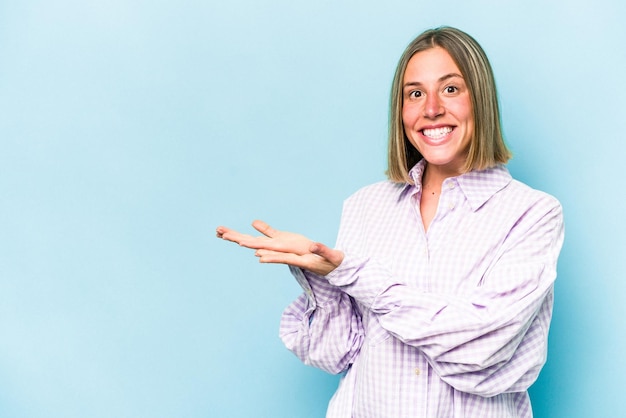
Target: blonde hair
[[487, 147]]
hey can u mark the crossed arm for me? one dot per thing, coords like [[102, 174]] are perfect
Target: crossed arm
[[282, 247], [486, 341]]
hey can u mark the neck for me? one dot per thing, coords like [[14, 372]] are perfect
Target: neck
[[434, 177]]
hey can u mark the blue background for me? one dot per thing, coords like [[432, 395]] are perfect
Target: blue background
[[130, 129]]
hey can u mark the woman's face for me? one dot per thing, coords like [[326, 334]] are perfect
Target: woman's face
[[437, 110]]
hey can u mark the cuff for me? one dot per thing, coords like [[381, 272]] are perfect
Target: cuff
[[317, 288], [362, 278]]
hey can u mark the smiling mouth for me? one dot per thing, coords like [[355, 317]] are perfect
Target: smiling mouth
[[437, 133]]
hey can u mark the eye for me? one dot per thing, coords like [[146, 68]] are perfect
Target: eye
[[414, 94], [451, 89]]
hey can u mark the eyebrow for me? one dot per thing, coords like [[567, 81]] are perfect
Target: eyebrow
[[441, 79]]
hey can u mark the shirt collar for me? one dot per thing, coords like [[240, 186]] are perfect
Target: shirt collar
[[478, 186]]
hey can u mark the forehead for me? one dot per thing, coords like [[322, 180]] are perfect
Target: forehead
[[430, 64]]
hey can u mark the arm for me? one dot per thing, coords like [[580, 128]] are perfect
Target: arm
[[486, 341], [322, 326]]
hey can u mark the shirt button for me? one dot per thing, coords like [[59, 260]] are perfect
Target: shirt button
[[450, 185], [417, 371]]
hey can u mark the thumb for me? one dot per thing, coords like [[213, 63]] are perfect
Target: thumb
[[264, 228], [335, 257]]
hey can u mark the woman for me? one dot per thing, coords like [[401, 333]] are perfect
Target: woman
[[437, 299]]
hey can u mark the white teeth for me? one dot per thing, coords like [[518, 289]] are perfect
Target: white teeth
[[437, 132]]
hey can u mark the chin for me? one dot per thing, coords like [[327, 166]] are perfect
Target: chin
[[450, 163]]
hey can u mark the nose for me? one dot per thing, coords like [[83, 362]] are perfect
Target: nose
[[433, 106]]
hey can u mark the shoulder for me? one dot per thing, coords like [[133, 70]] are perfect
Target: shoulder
[[376, 199], [529, 208], [494, 193], [380, 192], [497, 186], [523, 194]]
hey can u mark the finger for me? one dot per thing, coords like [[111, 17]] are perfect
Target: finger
[[264, 228], [277, 257], [220, 230], [311, 262], [234, 236], [268, 253], [333, 256]]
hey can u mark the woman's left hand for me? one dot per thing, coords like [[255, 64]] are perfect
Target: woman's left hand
[[284, 247]]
